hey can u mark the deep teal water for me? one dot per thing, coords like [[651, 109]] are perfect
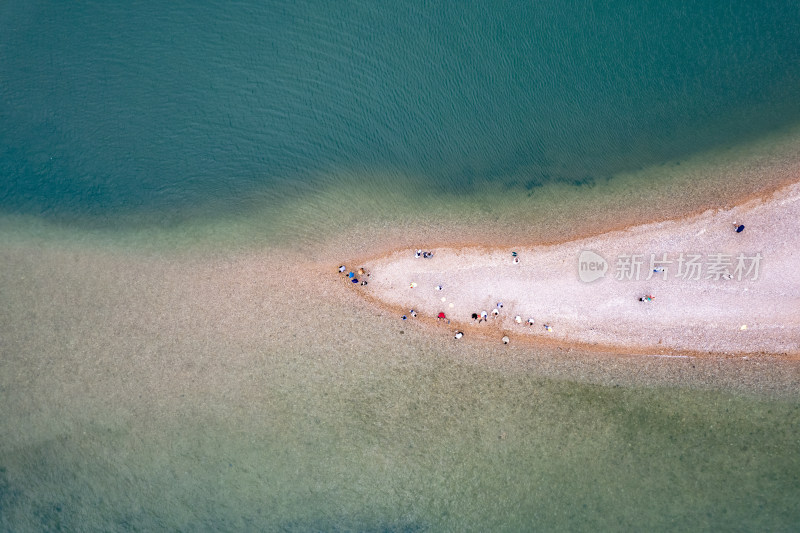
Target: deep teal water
[[111, 108]]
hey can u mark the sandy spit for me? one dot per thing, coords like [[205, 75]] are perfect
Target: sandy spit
[[714, 290]]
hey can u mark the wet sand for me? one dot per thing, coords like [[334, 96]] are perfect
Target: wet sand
[[715, 291]]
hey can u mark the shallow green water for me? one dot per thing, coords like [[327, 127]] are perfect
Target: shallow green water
[[136, 397], [177, 136], [441, 447]]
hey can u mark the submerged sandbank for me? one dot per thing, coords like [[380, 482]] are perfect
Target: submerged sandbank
[[714, 290]]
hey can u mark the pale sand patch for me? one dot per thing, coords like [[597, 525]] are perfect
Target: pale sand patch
[[755, 314]]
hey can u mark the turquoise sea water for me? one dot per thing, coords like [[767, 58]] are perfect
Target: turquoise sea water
[[119, 412], [117, 107]]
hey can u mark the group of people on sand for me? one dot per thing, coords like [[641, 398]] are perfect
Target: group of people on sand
[[358, 277], [412, 313], [441, 316], [352, 275], [460, 334], [484, 316]]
